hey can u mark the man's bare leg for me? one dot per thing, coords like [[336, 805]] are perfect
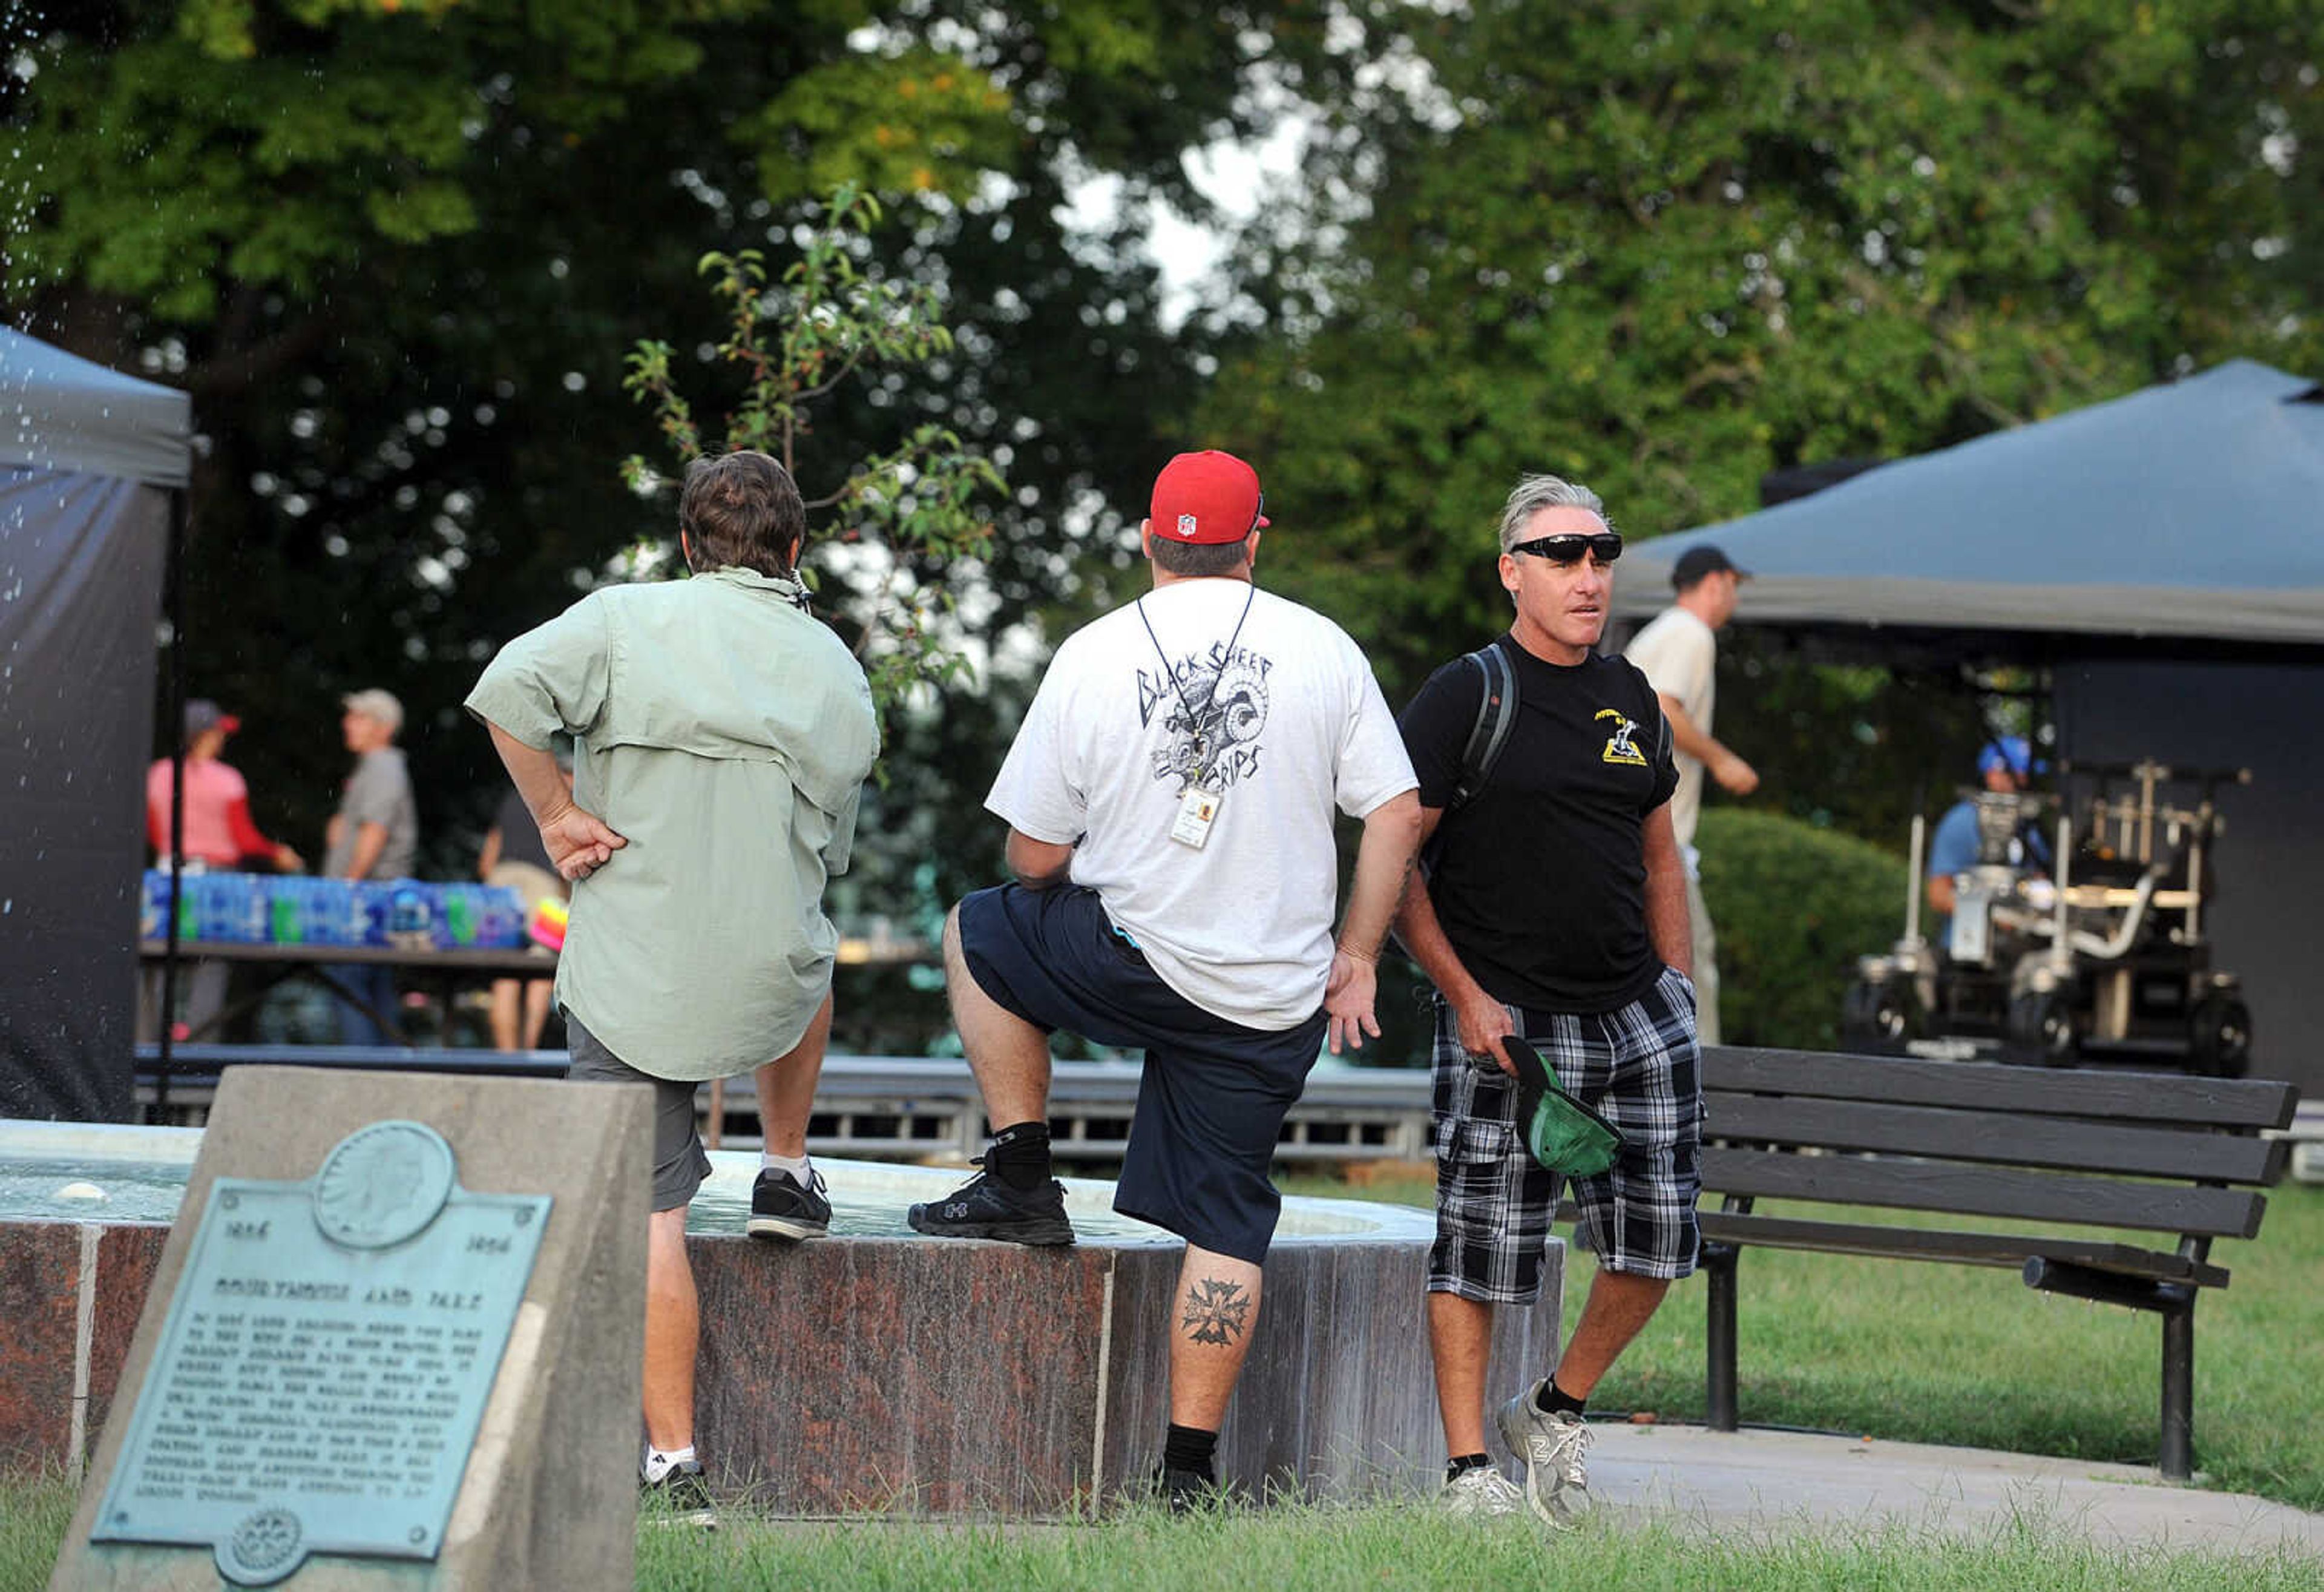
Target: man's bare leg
[[1460, 1337], [1016, 1199], [1008, 1056], [787, 1088], [673, 1334], [1619, 1304], [1210, 1323], [1210, 1334]]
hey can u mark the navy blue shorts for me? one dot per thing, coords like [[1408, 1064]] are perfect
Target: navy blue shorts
[[1212, 1099]]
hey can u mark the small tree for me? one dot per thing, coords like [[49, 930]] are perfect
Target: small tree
[[915, 507]]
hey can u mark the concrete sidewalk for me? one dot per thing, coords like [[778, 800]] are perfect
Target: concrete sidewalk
[[1749, 1481]]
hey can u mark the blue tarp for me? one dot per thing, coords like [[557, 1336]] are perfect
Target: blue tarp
[[2194, 509]]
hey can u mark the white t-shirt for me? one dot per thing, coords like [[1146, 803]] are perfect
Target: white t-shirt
[[1678, 657], [1294, 726]]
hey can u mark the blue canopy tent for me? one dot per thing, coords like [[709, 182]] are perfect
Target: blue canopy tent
[[93, 468], [2163, 556]]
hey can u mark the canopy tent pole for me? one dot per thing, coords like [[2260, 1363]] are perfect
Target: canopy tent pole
[[175, 586]]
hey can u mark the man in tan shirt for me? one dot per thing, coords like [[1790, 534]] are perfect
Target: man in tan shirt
[[722, 735], [1678, 655]]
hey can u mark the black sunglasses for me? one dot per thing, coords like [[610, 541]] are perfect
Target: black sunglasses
[[1568, 547]]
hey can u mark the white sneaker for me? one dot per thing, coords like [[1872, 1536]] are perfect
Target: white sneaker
[[1480, 1495], [1556, 1486]]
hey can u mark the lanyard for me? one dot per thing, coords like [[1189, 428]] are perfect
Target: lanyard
[[1199, 742]]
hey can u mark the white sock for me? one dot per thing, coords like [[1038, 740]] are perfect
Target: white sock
[[658, 1464], [799, 1169]]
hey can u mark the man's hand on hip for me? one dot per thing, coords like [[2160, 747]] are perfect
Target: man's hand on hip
[[578, 841]]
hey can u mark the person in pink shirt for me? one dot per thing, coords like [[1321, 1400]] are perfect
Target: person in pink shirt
[[218, 832]]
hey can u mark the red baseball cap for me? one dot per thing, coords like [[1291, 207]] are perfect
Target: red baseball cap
[[1207, 498]]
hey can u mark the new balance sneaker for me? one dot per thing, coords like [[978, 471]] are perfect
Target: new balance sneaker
[[986, 1207], [1480, 1495], [682, 1495], [1557, 1487], [781, 1209]]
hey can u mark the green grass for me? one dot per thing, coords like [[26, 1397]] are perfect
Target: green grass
[[1916, 1352], [1411, 1547], [1381, 1546], [34, 1511]]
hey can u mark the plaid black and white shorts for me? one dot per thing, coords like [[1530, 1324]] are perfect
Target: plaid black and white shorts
[[1639, 1067]]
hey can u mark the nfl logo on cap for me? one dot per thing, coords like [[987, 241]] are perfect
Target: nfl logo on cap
[[1206, 499]]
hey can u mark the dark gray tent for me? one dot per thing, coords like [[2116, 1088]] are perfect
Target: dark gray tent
[[2163, 555], [2191, 510], [89, 461]]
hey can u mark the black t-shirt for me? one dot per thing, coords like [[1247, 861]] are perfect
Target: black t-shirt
[[520, 835], [1540, 880]]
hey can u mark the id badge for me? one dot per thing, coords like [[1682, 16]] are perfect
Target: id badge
[[1197, 811]]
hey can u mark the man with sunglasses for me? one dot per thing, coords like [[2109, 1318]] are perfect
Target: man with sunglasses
[[1553, 909], [1678, 653]]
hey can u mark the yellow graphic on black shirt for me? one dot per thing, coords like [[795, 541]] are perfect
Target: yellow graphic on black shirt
[[1619, 749]]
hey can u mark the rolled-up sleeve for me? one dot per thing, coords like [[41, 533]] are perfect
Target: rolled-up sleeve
[[550, 679]]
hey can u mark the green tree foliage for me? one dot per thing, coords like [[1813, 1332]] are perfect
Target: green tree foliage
[[915, 507], [1665, 248], [1795, 906], [396, 253]]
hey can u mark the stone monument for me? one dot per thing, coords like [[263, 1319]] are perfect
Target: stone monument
[[395, 1340]]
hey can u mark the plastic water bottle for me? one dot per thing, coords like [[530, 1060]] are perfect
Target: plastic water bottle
[[460, 915], [286, 921], [503, 919], [408, 919], [250, 905]]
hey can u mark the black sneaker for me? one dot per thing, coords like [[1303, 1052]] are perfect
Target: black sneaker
[[1188, 1492], [780, 1208], [986, 1207], [682, 1495]]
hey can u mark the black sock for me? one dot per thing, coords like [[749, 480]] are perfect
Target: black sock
[[1552, 1398], [1189, 1448], [1461, 1465], [1019, 1155]]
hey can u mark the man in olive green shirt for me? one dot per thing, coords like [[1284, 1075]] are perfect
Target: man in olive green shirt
[[722, 738]]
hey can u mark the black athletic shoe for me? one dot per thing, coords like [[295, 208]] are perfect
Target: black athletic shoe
[[986, 1207], [1188, 1492], [780, 1208], [683, 1494]]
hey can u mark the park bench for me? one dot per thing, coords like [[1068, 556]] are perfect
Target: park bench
[[2162, 1164]]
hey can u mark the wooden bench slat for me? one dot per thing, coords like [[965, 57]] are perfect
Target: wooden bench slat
[[2147, 1096], [1948, 1132], [1899, 1182], [1989, 1249]]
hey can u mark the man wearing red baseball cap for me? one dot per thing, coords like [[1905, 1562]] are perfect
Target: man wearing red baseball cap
[[1170, 799]]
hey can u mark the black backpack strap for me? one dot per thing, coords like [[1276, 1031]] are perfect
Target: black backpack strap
[[1497, 711]]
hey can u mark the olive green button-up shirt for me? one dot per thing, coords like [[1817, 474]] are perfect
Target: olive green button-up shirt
[[725, 734]]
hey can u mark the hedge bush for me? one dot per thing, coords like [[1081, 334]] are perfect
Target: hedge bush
[[1794, 905]]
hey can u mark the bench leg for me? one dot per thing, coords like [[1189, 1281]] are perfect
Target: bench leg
[[1718, 1263], [2176, 1461]]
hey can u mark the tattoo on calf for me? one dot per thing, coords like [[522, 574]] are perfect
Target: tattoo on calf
[[1217, 1311]]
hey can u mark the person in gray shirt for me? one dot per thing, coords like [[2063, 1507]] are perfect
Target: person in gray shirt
[[374, 834]]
